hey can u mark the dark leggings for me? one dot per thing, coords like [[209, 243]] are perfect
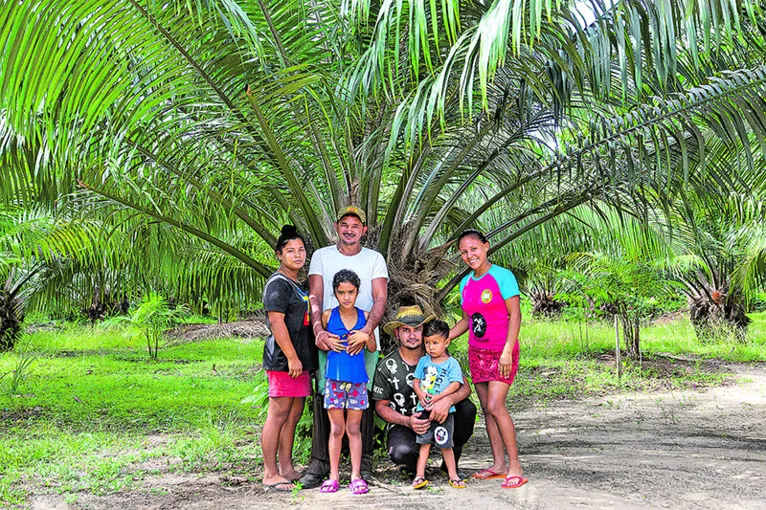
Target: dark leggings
[[404, 451], [320, 452]]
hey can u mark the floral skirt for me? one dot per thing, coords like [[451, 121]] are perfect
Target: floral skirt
[[485, 365]]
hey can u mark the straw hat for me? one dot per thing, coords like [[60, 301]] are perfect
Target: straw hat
[[411, 316]]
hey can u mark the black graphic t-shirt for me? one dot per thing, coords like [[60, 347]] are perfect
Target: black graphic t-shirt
[[393, 382], [285, 296]]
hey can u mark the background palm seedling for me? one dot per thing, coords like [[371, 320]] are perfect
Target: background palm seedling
[[151, 319]]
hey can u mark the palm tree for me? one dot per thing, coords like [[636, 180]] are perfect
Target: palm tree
[[224, 119], [37, 255], [720, 260]]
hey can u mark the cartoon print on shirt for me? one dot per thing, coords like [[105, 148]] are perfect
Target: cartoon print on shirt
[[429, 379]]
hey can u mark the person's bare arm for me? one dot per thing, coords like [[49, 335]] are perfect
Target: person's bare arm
[[323, 339], [282, 337], [449, 390], [338, 346], [440, 410], [459, 328], [414, 422], [419, 392], [379, 297]]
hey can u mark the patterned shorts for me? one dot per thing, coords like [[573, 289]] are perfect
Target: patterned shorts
[[345, 395], [485, 365]]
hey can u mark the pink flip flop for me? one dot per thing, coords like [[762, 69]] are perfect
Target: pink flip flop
[[358, 486], [513, 482], [330, 486]]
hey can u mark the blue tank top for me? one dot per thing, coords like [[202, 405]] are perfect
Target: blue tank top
[[341, 366]]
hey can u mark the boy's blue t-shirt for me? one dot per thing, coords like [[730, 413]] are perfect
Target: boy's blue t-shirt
[[435, 377]]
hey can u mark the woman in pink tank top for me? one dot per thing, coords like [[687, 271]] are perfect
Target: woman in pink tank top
[[491, 315]]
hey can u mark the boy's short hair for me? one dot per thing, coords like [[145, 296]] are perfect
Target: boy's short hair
[[436, 327]]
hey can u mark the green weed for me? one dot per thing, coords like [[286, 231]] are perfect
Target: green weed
[[95, 409]]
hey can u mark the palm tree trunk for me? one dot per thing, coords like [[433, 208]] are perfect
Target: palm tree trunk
[[718, 314], [10, 321], [544, 305], [631, 334]]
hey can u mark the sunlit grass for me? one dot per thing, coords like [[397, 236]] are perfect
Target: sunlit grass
[[93, 408]]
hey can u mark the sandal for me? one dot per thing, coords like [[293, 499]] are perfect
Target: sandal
[[279, 487], [513, 482], [330, 486], [358, 486], [419, 483], [457, 483]]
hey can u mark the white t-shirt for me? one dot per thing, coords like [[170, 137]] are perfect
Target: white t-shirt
[[368, 264]]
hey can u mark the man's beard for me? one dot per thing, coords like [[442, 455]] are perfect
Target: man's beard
[[415, 348]]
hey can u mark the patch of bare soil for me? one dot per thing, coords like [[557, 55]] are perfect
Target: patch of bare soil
[[685, 449]]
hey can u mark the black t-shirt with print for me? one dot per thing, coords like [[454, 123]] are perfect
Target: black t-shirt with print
[[285, 296], [393, 382]]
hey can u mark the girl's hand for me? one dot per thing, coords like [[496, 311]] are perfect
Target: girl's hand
[[294, 367], [356, 342], [506, 361]]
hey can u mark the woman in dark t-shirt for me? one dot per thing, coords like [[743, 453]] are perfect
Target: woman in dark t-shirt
[[288, 357]]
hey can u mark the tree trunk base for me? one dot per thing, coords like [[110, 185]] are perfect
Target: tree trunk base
[[10, 322], [714, 321]]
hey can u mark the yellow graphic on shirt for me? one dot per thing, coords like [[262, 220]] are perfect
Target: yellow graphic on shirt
[[429, 379], [486, 296]]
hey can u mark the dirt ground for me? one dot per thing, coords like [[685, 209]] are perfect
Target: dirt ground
[[690, 449]]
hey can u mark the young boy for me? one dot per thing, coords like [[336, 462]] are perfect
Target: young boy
[[436, 376]]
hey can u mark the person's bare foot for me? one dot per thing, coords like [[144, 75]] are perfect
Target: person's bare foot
[[491, 473], [291, 474], [279, 483]]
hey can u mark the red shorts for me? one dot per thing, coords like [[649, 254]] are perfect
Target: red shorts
[[485, 365], [282, 385]]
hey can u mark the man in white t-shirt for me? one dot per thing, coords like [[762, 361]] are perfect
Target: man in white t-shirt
[[371, 267]]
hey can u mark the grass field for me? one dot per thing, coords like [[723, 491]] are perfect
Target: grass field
[[92, 412]]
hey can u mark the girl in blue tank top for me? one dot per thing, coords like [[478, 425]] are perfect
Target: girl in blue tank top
[[345, 392]]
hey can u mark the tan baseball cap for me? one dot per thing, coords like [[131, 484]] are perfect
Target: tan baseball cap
[[354, 211]]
